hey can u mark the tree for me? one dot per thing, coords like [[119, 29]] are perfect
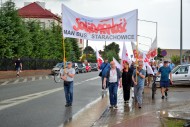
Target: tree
[[76, 49], [175, 59], [14, 38], [110, 54], [110, 51], [88, 50]]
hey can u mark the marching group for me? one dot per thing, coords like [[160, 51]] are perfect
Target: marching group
[[131, 76]]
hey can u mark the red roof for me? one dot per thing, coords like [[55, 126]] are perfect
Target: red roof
[[34, 10]]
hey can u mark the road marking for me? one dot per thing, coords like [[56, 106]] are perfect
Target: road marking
[[25, 80], [16, 81], [5, 83], [33, 78], [18, 100], [83, 109], [40, 78]]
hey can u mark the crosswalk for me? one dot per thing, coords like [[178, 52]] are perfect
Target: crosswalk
[[25, 79]]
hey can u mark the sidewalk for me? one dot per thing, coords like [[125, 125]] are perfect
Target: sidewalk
[[5, 75], [129, 115]]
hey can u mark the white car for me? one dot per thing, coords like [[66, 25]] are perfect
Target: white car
[[180, 74]]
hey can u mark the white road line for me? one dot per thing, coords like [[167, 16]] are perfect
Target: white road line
[[83, 109], [5, 83], [40, 78], [18, 100], [33, 78], [25, 80], [16, 81], [47, 77]]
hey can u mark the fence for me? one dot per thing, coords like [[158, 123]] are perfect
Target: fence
[[28, 64]]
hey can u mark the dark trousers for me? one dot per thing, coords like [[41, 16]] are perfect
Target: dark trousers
[[126, 92]]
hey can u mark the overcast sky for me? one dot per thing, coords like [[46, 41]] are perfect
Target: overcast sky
[[165, 12]]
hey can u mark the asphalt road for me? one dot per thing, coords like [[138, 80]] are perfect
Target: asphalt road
[[41, 103]]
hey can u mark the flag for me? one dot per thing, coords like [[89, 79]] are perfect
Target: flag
[[125, 56], [138, 56], [147, 65], [117, 63], [153, 49], [99, 59]]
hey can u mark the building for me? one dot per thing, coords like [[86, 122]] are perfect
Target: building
[[37, 11], [174, 52]]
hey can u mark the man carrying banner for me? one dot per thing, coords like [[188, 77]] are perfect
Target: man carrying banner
[[68, 77], [113, 77], [139, 84]]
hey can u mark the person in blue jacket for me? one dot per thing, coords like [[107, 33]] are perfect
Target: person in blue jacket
[[104, 68]]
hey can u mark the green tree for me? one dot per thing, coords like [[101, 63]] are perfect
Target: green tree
[[88, 50], [110, 51], [175, 59], [76, 49], [159, 56], [14, 38], [110, 54]]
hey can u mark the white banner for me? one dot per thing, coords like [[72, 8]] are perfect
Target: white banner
[[121, 27]]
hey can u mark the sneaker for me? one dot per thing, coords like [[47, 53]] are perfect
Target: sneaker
[[139, 107], [111, 106], [67, 105], [127, 101], [115, 107], [162, 97]]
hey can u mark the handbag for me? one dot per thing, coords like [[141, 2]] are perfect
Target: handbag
[[100, 74]]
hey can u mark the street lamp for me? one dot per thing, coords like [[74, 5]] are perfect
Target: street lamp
[[147, 38], [181, 31], [151, 22]]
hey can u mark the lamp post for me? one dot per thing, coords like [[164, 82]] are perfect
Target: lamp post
[[152, 22], [147, 38], [181, 31]]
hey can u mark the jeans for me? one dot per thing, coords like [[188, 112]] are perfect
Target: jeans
[[113, 87], [69, 93], [138, 90]]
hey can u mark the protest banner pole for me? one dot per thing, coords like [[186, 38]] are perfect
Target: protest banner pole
[[137, 47], [64, 62]]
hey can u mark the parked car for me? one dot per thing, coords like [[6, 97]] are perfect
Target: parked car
[[88, 68], [75, 66], [94, 66], [180, 75], [81, 67], [57, 68]]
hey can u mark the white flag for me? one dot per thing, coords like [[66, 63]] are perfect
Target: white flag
[[98, 58], [125, 56], [117, 63]]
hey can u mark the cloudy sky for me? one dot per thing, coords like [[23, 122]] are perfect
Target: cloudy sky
[[165, 12]]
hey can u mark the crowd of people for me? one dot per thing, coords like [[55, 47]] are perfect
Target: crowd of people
[[134, 77]]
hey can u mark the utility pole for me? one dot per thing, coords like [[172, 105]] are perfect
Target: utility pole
[[181, 31], [86, 52]]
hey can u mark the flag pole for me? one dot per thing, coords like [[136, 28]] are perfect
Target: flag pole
[[64, 62], [137, 48]]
